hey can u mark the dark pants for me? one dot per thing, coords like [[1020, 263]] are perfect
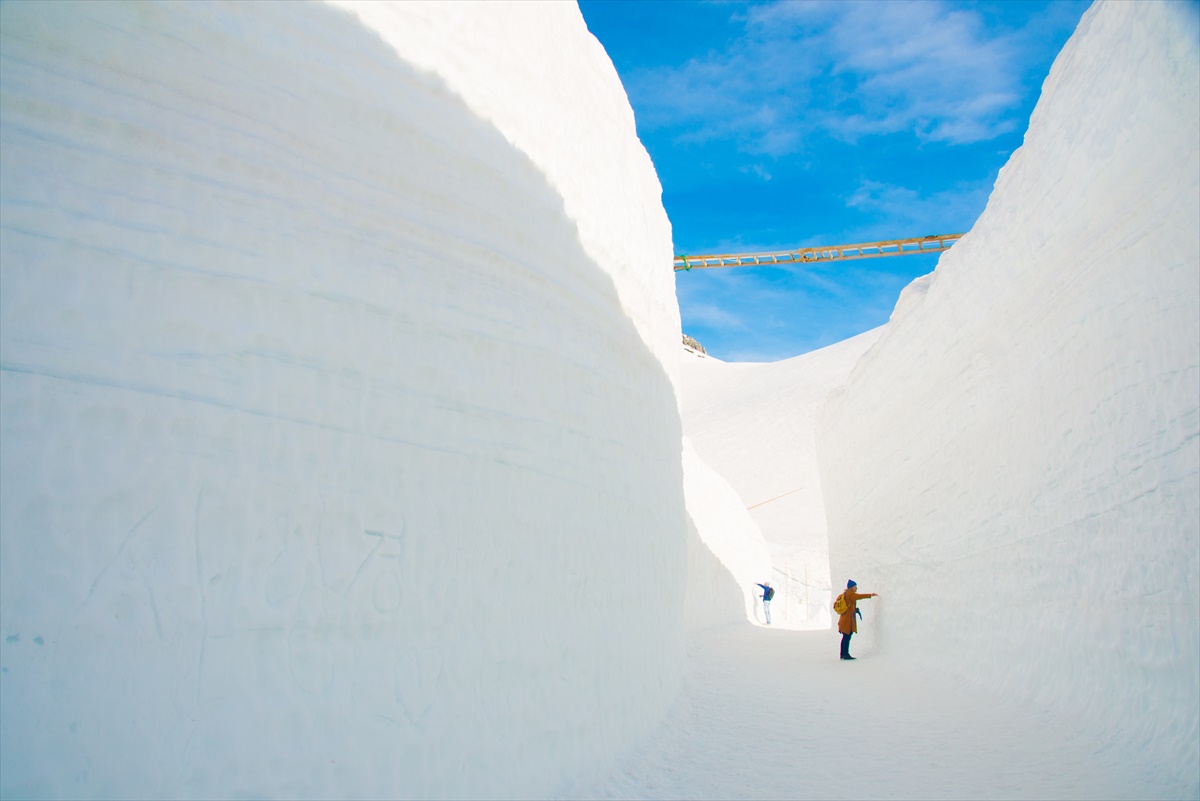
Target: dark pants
[[846, 645]]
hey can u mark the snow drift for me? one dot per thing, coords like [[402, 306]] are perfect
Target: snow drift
[[1014, 466], [340, 453]]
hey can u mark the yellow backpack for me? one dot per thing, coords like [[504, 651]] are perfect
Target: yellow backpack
[[839, 605]]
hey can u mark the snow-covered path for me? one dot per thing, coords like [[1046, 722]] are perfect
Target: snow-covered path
[[774, 714]]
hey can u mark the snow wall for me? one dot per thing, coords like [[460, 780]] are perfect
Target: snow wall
[[754, 424], [341, 456], [1014, 466], [727, 556]]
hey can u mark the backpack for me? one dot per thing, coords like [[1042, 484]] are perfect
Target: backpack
[[770, 593], [840, 606]]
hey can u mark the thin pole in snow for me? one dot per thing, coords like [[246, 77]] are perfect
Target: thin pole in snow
[[807, 608], [788, 600], [777, 497]]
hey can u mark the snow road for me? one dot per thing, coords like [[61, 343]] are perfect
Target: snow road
[[775, 714]]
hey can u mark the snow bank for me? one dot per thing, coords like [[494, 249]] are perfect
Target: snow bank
[[340, 455], [1014, 466], [754, 425]]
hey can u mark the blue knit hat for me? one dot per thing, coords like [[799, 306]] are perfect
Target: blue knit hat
[[851, 583]]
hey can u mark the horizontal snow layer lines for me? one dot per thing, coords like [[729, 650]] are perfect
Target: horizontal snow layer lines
[[333, 464], [536, 73], [1015, 466]]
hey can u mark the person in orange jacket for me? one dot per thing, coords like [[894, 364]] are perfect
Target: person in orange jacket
[[847, 624]]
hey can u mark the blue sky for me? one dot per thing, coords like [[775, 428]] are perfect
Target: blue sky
[[780, 125]]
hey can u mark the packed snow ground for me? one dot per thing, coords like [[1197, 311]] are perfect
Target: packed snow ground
[[774, 714]]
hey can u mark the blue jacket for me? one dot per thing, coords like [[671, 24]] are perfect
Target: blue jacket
[[768, 592]]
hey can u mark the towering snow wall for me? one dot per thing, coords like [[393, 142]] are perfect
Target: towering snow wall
[[571, 149], [754, 425], [727, 557], [1014, 467], [340, 455]]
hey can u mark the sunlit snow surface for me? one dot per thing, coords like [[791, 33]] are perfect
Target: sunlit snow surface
[[1015, 466], [775, 715], [341, 458], [754, 424], [727, 555]]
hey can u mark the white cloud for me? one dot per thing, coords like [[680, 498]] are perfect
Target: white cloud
[[908, 209], [754, 91], [713, 316], [756, 169], [849, 69], [928, 67]]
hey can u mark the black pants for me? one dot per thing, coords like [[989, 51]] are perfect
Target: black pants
[[846, 645]]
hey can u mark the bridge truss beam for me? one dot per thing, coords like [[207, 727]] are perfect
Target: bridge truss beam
[[860, 250]]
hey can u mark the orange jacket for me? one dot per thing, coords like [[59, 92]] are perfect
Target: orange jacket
[[846, 621]]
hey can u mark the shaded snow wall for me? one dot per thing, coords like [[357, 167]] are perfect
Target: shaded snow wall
[[1014, 467], [727, 555], [543, 88], [338, 459]]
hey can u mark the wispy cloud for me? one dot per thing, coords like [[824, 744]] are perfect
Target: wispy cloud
[[845, 69], [926, 67], [756, 169], [711, 315], [753, 91], [909, 209]]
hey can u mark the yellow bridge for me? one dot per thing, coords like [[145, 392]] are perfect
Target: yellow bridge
[[861, 250]]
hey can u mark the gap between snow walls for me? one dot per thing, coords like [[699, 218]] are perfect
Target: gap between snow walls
[[339, 459], [1015, 467]]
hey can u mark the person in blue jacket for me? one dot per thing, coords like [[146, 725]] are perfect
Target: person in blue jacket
[[768, 594]]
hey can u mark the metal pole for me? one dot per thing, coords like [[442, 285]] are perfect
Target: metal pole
[[788, 599], [807, 608]]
